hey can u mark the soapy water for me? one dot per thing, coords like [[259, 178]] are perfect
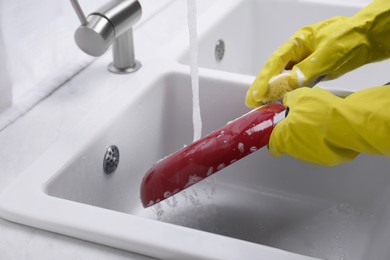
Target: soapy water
[[158, 210], [200, 196], [171, 202]]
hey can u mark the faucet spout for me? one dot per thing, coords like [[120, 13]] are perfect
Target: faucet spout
[[112, 24]]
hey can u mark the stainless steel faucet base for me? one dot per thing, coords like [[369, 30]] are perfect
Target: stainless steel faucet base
[[111, 67]]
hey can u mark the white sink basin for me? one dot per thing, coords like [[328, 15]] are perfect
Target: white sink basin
[[67, 191], [258, 208]]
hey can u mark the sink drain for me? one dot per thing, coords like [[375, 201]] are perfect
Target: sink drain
[[111, 159], [219, 50]]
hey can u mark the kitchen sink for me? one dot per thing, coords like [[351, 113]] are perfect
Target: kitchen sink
[[258, 208]]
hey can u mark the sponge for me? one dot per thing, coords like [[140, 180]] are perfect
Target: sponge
[[278, 86]]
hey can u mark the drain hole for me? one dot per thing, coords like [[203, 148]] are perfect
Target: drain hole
[[219, 50], [111, 159]]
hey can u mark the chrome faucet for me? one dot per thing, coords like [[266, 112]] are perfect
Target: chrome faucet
[[110, 24]]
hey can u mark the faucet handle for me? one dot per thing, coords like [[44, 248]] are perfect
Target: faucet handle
[[79, 12], [95, 34]]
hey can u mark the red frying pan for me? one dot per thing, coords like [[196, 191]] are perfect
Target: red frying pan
[[210, 154]]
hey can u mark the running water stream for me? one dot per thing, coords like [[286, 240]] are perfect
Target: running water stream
[[193, 36], [208, 188]]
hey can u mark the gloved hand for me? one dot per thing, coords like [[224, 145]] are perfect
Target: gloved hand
[[325, 129], [323, 51]]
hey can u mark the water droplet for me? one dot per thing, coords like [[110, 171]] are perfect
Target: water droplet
[[241, 147], [194, 201], [158, 210], [192, 180], [221, 166], [171, 202], [210, 171], [167, 194], [184, 194]]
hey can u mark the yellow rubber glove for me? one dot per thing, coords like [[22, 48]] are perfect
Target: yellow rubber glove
[[325, 129], [323, 51]]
